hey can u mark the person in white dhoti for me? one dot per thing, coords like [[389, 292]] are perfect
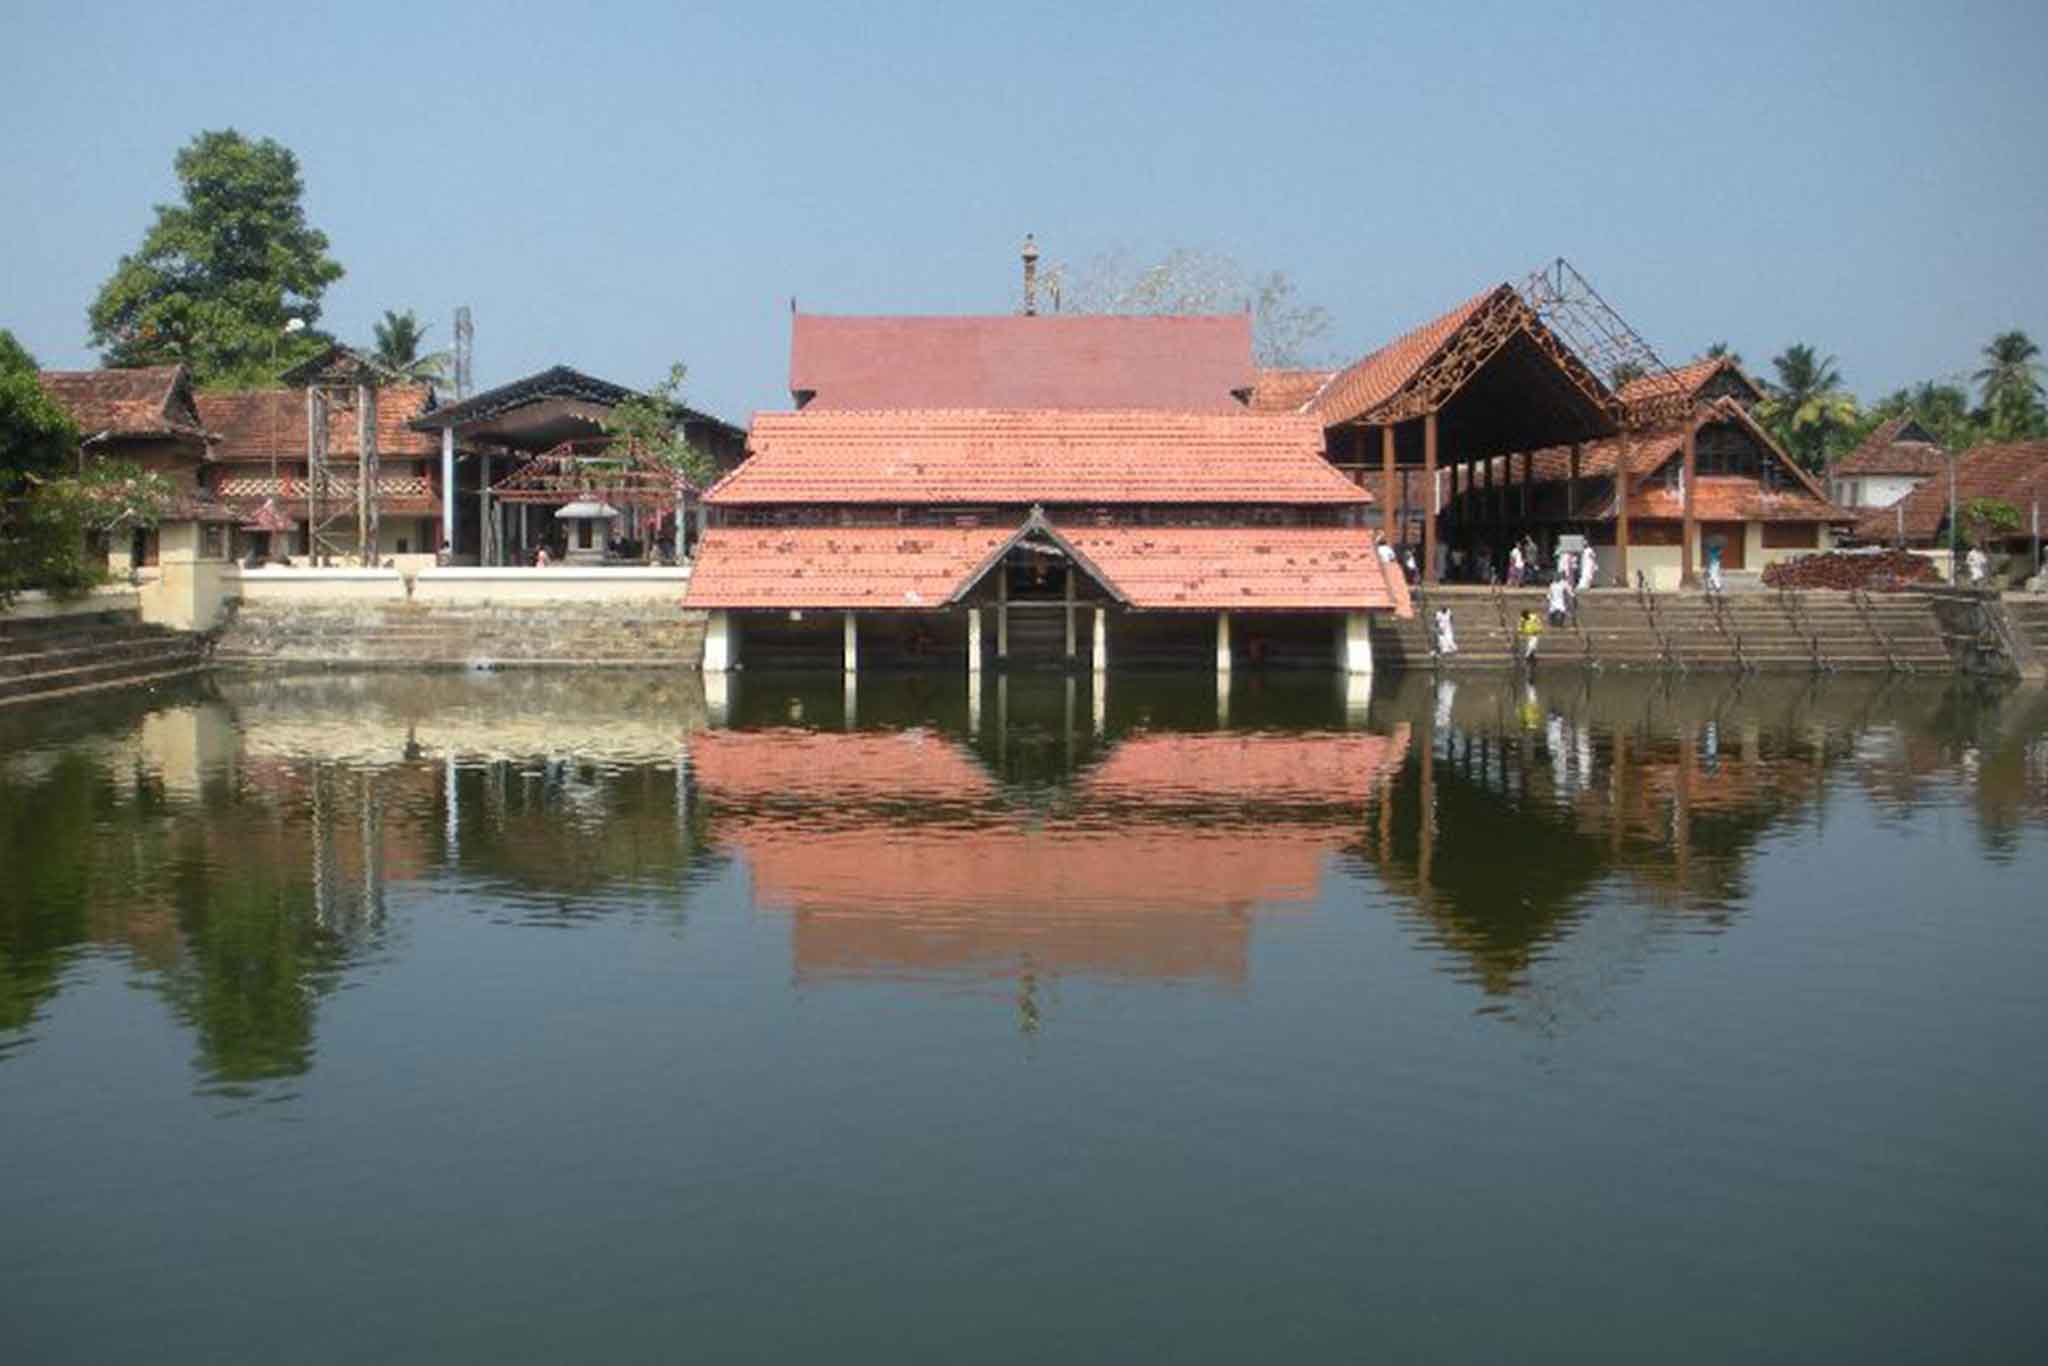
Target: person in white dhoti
[[1589, 565]]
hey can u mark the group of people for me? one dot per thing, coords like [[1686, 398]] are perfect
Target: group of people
[[1572, 574], [1525, 566]]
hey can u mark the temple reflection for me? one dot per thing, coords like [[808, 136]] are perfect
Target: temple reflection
[[246, 844]]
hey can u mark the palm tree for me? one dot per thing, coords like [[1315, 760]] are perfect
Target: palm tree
[[1720, 350], [1807, 403], [398, 349], [2011, 384]]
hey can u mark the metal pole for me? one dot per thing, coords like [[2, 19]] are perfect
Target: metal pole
[[1429, 575]]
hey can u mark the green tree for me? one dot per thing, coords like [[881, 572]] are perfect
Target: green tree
[[1808, 410], [1942, 408], [649, 426], [1720, 350], [398, 338], [2010, 384], [219, 274], [37, 437], [1988, 520]]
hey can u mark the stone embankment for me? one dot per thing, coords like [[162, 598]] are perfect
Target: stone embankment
[[415, 634], [48, 656], [1808, 631]]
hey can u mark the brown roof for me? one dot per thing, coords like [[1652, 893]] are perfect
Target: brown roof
[[1900, 446], [1287, 391], [871, 568], [1367, 383], [2016, 472], [1686, 379], [1159, 568], [253, 424], [1244, 568], [1716, 497], [1025, 457], [1190, 364], [153, 401]]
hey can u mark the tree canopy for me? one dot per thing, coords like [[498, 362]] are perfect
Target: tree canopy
[[37, 437], [650, 426], [220, 273], [1808, 410], [397, 348], [2010, 383]]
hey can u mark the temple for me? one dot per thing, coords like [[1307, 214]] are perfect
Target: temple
[[1018, 491]]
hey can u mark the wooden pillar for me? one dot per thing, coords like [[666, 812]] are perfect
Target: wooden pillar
[[1528, 481], [1621, 459], [1390, 529], [1571, 487], [1430, 499], [1689, 554], [1488, 513]]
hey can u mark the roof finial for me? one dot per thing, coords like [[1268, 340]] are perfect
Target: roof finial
[[1030, 275]]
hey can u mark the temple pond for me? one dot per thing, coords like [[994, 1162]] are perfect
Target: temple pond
[[522, 1018]]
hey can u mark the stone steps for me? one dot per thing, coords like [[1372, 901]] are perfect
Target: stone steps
[[425, 635], [60, 657]]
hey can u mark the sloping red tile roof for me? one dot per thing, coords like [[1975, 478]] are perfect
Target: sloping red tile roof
[[1686, 379], [254, 423], [870, 568], [1717, 497], [152, 401], [1287, 391], [797, 766], [2016, 472], [1025, 457], [1900, 446], [1369, 382], [1188, 364], [1161, 771], [1244, 568]]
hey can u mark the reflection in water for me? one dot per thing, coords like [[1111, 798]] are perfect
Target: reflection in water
[[241, 843]]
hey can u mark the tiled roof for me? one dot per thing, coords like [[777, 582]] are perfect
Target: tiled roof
[[1287, 391], [255, 423], [153, 401], [805, 766], [1717, 498], [1244, 568], [1367, 383], [2016, 472], [1900, 446], [869, 568], [1161, 771], [1686, 379], [1104, 361], [1163, 568], [1024, 457]]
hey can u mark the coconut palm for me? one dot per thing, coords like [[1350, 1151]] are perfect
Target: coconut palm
[[2011, 384], [398, 348], [1807, 403], [1721, 350]]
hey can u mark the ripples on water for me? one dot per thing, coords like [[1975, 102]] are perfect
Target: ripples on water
[[1355, 945]]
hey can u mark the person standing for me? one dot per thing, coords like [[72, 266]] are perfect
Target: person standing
[[1446, 638], [1979, 565], [1531, 631], [1589, 565], [1560, 601], [1515, 565]]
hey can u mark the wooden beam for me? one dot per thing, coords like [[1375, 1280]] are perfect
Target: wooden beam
[[1571, 487], [1621, 458], [1390, 530], [1688, 575], [1429, 498]]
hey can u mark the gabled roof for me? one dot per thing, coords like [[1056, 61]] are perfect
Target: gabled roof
[[1287, 391], [1900, 446], [1691, 381], [555, 382], [1149, 568], [2016, 472], [151, 402], [1499, 378], [1026, 457], [254, 424], [1098, 362], [1718, 498]]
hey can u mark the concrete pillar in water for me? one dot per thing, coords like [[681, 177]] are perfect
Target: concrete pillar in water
[[718, 698], [1357, 643], [1223, 642], [974, 645], [1101, 639], [721, 647], [1069, 613], [852, 646], [448, 488], [1003, 615]]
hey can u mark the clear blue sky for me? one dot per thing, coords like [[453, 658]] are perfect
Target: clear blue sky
[[622, 185]]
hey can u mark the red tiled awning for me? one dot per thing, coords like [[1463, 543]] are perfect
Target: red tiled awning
[[870, 568], [1298, 569]]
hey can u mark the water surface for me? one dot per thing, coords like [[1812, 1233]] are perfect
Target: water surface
[[523, 1018]]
